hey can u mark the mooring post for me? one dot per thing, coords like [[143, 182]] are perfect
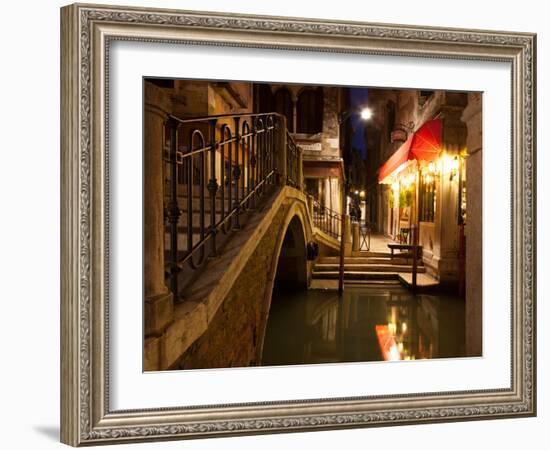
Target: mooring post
[[414, 230], [342, 243]]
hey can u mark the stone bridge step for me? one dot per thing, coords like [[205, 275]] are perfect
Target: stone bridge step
[[182, 235], [182, 241], [324, 268], [183, 220], [334, 275], [365, 257], [397, 260], [183, 203]]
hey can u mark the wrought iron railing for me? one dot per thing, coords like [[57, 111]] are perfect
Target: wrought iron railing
[[216, 168], [327, 220], [292, 151]]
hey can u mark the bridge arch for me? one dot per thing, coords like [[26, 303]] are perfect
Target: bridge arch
[[291, 270], [289, 265]]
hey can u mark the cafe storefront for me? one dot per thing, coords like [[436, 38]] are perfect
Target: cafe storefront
[[426, 185]]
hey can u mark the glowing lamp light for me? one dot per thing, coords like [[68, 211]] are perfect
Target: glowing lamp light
[[439, 167], [362, 194], [454, 164], [366, 114], [408, 180], [451, 165]]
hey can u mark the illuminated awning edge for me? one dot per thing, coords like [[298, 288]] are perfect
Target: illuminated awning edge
[[425, 144]]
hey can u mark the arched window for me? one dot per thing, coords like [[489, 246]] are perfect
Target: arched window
[[310, 111], [283, 105]]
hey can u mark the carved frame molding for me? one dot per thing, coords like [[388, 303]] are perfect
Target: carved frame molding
[[86, 31]]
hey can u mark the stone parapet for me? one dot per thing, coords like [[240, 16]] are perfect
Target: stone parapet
[[158, 301]]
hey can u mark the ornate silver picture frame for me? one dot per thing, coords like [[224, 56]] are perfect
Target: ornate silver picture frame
[[87, 32]]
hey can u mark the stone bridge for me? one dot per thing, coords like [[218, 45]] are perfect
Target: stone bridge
[[222, 323], [220, 315]]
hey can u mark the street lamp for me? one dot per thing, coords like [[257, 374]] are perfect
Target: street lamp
[[365, 113]]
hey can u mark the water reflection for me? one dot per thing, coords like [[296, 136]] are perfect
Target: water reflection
[[369, 323]]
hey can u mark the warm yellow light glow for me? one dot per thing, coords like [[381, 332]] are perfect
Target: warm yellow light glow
[[362, 194], [450, 165], [431, 167], [446, 164], [408, 180], [356, 192], [393, 354], [439, 167], [366, 113], [404, 327], [454, 164]]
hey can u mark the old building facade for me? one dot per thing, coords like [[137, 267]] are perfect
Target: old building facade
[[440, 197], [312, 116]]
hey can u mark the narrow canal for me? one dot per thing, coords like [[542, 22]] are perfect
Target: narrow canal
[[369, 323]]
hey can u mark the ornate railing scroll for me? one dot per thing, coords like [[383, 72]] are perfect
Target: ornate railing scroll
[[217, 168]]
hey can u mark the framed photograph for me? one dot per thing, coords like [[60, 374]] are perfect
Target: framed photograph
[[285, 224]]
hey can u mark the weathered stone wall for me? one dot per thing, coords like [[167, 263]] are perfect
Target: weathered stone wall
[[474, 226], [330, 138], [234, 337], [202, 98]]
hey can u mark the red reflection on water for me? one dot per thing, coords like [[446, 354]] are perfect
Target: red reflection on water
[[386, 341]]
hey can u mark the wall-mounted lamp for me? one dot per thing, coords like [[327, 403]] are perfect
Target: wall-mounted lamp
[[454, 168], [451, 165], [408, 127], [401, 131]]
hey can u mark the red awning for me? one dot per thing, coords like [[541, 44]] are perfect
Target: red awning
[[424, 145]]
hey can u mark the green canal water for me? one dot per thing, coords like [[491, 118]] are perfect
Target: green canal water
[[369, 323]]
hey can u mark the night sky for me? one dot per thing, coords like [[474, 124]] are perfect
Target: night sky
[[358, 100]]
